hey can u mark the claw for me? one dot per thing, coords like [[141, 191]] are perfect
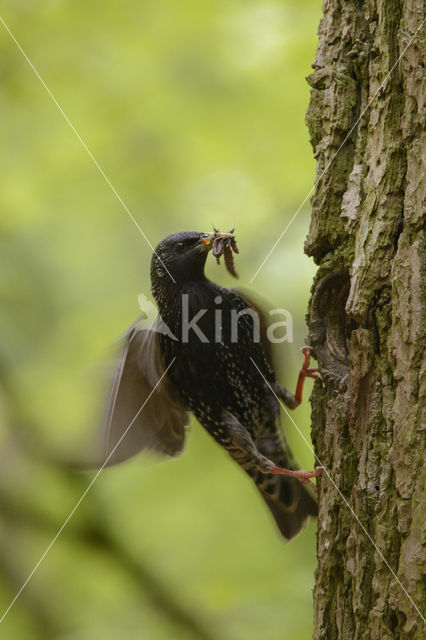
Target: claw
[[312, 373], [305, 348], [305, 372]]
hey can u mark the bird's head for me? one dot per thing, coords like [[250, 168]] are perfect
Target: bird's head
[[181, 257]]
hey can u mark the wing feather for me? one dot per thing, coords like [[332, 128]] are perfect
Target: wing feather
[[138, 398]]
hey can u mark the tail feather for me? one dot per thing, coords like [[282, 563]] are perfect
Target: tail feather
[[289, 501]]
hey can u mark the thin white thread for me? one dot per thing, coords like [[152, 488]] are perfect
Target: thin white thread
[[68, 518], [333, 158], [343, 497], [85, 147]]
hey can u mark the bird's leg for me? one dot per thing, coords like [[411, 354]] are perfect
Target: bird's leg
[[305, 372], [303, 476], [242, 440], [247, 453], [293, 401]]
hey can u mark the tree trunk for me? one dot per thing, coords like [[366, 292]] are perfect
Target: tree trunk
[[367, 320]]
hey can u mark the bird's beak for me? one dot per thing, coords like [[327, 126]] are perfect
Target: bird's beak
[[206, 241]]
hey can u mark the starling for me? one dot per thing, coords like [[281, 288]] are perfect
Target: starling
[[202, 355]]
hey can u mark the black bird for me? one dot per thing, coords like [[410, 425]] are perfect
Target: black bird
[[202, 356]]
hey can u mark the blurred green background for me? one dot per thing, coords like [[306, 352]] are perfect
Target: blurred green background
[[195, 111]]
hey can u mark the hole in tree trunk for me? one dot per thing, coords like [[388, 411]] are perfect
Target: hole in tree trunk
[[330, 327]]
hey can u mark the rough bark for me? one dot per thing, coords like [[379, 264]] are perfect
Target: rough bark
[[367, 319]]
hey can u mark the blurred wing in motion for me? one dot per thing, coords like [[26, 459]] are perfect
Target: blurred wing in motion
[[160, 425]]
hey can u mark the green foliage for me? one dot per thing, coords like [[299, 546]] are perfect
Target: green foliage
[[195, 111]]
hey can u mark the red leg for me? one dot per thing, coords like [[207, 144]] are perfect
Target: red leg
[[303, 476], [305, 372]]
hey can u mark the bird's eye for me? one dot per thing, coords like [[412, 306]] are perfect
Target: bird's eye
[[180, 246]]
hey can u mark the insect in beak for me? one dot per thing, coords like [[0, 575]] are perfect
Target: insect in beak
[[222, 244]]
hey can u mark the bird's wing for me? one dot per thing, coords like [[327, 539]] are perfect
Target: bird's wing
[[138, 398], [259, 304]]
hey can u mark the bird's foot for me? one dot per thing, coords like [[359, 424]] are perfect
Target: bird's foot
[[302, 476], [305, 371]]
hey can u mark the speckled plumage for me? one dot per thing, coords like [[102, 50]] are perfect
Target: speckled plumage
[[216, 379]]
